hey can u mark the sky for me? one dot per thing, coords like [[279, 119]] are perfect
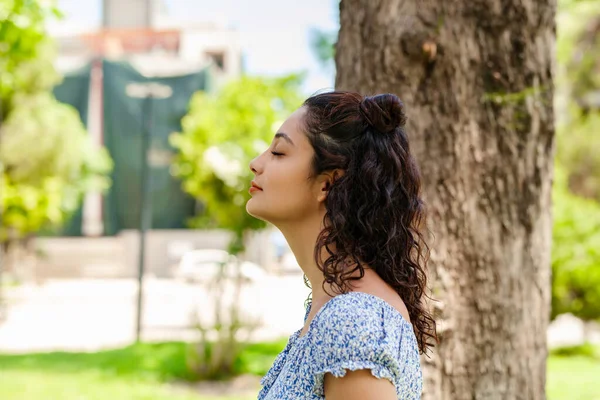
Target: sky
[[275, 34]]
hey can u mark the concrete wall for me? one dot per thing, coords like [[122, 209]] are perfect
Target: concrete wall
[[117, 257]]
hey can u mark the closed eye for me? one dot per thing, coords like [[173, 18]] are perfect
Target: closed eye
[[276, 154]]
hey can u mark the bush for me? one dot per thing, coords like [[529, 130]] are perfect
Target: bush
[[221, 134], [583, 350], [575, 253]]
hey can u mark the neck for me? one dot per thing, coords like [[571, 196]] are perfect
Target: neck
[[302, 238]]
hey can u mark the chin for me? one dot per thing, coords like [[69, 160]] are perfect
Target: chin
[[254, 211], [261, 213]]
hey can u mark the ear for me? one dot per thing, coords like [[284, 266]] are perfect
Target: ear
[[326, 180]]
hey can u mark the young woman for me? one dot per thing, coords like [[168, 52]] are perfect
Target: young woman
[[340, 183]]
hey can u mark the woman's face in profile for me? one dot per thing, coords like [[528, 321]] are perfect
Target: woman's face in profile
[[282, 173]]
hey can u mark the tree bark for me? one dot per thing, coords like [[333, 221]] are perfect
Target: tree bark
[[476, 79]]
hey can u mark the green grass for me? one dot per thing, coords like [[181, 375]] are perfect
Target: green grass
[[145, 372], [157, 362], [137, 372], [42, 385], [257, 358], [586, 350], [151, 362], [574, 373]]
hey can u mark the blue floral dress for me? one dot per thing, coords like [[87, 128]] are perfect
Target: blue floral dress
[[351, 331]]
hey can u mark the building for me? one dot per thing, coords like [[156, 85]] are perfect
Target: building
[[141, 33]]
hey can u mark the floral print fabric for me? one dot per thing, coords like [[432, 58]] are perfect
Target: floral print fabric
[[351, 331]]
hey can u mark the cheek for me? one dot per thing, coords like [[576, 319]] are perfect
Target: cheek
[[291, 184], [287, 196], [290, 195], [294, 198]]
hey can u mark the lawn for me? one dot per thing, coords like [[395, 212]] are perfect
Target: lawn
[[148, 371], [38, 385], [137, 372], [573, 378]]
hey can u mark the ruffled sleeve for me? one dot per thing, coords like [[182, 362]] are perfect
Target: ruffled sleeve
[[353, 334]]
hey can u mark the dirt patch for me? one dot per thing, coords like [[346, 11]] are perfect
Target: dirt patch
[[243, 385]]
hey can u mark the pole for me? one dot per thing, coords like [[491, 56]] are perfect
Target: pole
[[145, 208], [147, 91]]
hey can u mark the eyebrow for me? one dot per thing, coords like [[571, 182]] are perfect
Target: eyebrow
[[285, 137]]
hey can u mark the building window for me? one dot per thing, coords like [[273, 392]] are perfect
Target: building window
[[217, 58]]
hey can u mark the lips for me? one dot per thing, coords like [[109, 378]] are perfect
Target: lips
[[254, 185]]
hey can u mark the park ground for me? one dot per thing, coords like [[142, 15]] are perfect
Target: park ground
[[70, 340], [157, 372]]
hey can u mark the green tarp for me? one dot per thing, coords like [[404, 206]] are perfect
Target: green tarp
[[123, 129], [74, 90]]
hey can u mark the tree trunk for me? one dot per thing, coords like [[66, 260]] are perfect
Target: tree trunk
[[476, 78]]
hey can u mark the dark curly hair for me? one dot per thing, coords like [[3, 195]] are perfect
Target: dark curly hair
[[374, 212]]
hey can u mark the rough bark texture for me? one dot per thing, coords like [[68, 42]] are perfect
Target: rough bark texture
[[476, 78]]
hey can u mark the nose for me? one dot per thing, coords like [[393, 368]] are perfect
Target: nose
[[254, 165]]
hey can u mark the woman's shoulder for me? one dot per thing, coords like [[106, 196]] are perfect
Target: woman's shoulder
[[357, 306], [359, 315], [357, 331]]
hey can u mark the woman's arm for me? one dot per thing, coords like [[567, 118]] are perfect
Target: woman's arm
[[358, 385]]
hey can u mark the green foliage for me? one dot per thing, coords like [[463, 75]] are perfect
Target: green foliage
[[575, 253], [26, 52], [578, 94], [576, 232], [47, 160], [578, 44], [221, 134], [28, 208], [576, 149], [62, 151], [49, 163], [323, 42], [582, 350]]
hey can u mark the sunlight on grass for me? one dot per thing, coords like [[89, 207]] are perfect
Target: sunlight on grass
[[144, 372], [156, 361], [30, 385], [143, 361], [573, 378]]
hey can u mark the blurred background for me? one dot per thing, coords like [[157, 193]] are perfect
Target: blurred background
[[129, 268]]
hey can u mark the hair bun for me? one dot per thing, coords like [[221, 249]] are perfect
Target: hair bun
[[384, 112]]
